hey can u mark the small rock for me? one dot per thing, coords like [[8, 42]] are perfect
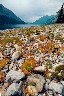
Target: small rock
[[13, 89], [2, 76], [56, 87], [47, 84], [16, 55], [14, 75], [18, 48], [40, 95], [62, 83], [31, 90], [50, 93], [63, 92], [38, 80], [1, 56], [40, 68]]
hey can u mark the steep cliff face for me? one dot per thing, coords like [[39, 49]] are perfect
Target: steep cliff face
[[8, 17]]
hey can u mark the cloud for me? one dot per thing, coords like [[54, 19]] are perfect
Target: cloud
[[31, 10]]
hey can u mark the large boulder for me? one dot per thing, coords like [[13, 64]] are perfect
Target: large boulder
[[13, 89], [14, 75], [56, 87], [37, 81]]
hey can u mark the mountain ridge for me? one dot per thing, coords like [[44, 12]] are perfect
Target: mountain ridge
[[7, 15], [46, 20]]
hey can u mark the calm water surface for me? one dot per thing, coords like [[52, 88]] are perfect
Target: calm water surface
[[3, 27]]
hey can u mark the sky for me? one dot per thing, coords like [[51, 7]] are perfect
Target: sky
[[31, 10]]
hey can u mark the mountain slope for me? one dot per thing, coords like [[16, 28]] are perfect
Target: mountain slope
[[8, 17], [46, 20]]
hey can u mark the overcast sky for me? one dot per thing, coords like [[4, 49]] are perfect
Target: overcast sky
[[31, 10]]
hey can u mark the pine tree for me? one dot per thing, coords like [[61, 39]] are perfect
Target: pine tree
[[60, 15]]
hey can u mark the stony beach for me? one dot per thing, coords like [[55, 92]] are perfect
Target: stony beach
[[32, 61]]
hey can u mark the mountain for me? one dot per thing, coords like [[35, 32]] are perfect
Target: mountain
[[8, 17], [46, 20]]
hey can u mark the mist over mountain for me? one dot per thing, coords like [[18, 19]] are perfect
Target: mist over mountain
[[46, 20], [8, 17]]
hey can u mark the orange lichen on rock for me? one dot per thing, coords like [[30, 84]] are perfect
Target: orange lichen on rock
[[56, 45], [49, 45], [42, 37], [2, 76], [44, 50], [62, 47], [26, 54], [57, 52], [3, 62], [28, 65], [47, 73]]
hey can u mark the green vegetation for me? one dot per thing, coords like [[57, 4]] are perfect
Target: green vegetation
[[59, 68], [32, 83], [59, 72]]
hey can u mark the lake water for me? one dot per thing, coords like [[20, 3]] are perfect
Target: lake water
[[3, 27]]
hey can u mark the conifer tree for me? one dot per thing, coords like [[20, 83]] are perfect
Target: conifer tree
[[60, 15]]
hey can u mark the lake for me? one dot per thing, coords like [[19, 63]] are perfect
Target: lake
[[3, 27]]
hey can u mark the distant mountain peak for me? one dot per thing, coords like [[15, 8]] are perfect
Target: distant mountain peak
[[8, 17], [46, 20], [1, 6]]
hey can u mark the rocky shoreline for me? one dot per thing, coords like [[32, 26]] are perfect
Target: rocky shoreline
[[32, 61]]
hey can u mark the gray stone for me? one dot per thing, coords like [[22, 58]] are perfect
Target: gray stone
[[62, 83], [14, 75], [1, 56], [16, 55], [13, 89], [40, 68], [63, 92], [47, 84], [50, 93], [56, 87]]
